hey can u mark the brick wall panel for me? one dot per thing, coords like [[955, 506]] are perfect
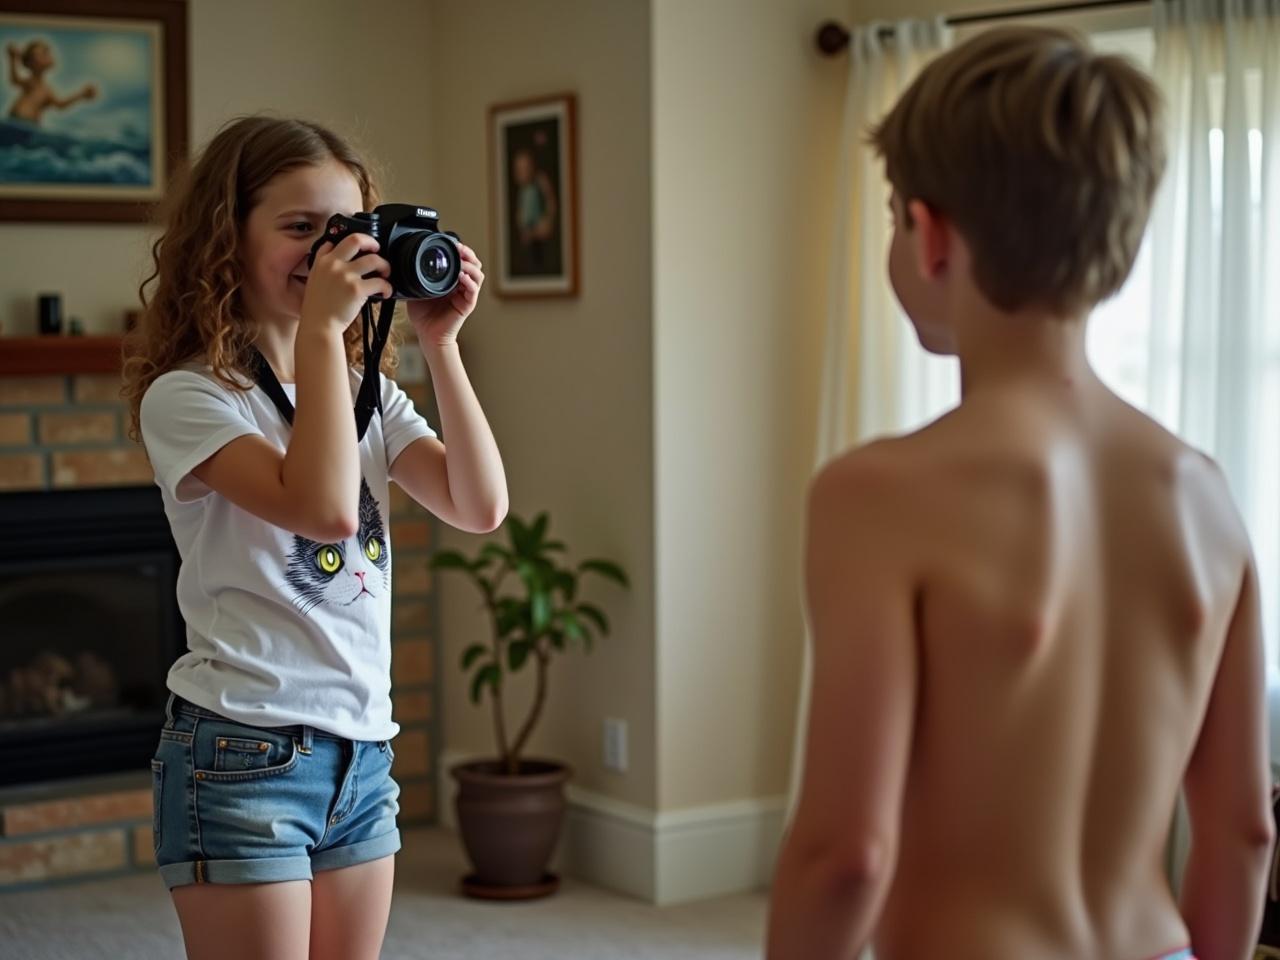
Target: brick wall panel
[[95, 427], [101, 468]]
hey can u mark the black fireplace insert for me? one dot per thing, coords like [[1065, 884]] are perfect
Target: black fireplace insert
[[89, 626]]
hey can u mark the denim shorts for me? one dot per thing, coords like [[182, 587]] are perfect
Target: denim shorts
[[241, 804]]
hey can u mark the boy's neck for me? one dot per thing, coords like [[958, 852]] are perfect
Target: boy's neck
[[1027, 346]]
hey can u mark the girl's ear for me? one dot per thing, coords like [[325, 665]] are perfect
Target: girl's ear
[[931, 237]]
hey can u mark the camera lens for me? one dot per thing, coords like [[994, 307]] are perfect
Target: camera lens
[[425, 264], [435, 264]]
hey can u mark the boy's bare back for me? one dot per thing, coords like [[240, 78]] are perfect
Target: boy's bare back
[[1078, 569], [1036, 619]]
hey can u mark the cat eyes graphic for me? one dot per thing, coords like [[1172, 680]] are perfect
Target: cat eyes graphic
[[341, 574], [330, 558]]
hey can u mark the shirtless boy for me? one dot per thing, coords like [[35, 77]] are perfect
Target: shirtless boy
[[35, 96], [1038, 617]]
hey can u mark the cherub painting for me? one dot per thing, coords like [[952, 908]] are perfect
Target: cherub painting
[[81, 108], [27, 69]]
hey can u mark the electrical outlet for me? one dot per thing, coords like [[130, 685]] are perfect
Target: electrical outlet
[[615, 745]]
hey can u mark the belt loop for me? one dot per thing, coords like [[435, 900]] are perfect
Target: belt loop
[[307, 735], [168, 711]]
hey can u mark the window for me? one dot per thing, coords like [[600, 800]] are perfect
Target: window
[[1139, 362]]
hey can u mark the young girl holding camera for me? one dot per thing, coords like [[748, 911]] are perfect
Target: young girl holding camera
[[275, 809]]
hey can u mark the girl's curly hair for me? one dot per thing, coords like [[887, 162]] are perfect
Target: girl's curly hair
[[194, 312]]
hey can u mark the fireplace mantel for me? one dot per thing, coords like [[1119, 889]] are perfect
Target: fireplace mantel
[[56, 355]]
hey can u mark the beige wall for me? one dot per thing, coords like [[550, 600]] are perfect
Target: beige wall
[[245, 56], [567, 383], [745, 120], [665, 416], [693, 367]]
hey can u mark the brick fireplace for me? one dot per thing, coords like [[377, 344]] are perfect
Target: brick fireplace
[[64, 434]]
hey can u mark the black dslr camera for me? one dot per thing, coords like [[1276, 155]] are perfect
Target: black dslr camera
[[425, 262]]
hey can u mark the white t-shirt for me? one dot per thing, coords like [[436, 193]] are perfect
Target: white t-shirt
[[280, 629]]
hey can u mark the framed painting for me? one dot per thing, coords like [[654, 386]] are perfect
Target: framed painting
[[534, 196], [94, 109]]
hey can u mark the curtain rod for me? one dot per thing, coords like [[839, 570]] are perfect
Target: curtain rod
[[834, 37]]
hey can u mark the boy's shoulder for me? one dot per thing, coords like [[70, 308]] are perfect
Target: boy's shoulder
[[976, 447], [868, 485], [891, 463]]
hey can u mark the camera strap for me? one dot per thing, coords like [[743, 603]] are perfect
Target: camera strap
[[369, 396]]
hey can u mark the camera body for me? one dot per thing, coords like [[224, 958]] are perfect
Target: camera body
[[425, 261]]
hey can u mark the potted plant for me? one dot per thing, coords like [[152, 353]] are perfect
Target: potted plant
[[510, 807]]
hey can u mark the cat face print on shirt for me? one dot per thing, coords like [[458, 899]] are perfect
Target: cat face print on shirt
[[355, 571]]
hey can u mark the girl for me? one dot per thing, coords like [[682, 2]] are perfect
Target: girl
[[274, 805]]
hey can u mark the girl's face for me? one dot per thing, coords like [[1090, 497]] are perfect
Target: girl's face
[[291, 212]]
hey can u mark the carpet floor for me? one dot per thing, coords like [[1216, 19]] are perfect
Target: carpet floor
[[132, 918]]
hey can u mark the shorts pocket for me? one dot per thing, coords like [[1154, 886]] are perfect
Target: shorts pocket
[[234, 754], [224, 750], [157, 793]]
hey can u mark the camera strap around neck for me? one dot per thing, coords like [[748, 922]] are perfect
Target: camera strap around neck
[[368, 398]]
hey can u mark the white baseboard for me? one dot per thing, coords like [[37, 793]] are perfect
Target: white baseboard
[[664, 858]]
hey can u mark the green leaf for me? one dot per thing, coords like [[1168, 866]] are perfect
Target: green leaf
[[538, 532], [496, 551], [573, 628], [567, 583], [530, 573], [449, 560], [517, 654], [595, 615], [607, 569], [519, 535], [472, 654], [510, 616], [540, 610], [555, 546], [557, 639], [489, 675]]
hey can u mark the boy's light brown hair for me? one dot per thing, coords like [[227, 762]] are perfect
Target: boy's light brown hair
[[1043, 154]]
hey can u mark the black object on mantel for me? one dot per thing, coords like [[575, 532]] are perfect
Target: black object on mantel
[[50, 306], [832, 37]]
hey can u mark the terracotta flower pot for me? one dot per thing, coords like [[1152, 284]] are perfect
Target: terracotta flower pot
[[509, 826]]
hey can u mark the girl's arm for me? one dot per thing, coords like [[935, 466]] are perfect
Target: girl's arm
[[464, 483], [313, 487]]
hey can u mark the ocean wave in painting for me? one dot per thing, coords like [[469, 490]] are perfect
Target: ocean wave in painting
[[29, 154]]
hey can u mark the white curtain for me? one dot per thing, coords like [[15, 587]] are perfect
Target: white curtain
[[1211, 368], [1212, 365], [876, 378]]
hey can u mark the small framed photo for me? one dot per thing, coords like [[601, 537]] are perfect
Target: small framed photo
[[94, 109], [534, 196]]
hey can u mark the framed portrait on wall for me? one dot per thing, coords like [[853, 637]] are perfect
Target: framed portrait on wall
[[534, 196], [94, 108]]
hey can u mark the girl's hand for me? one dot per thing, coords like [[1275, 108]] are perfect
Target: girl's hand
[[342, 278], [437, 322]]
